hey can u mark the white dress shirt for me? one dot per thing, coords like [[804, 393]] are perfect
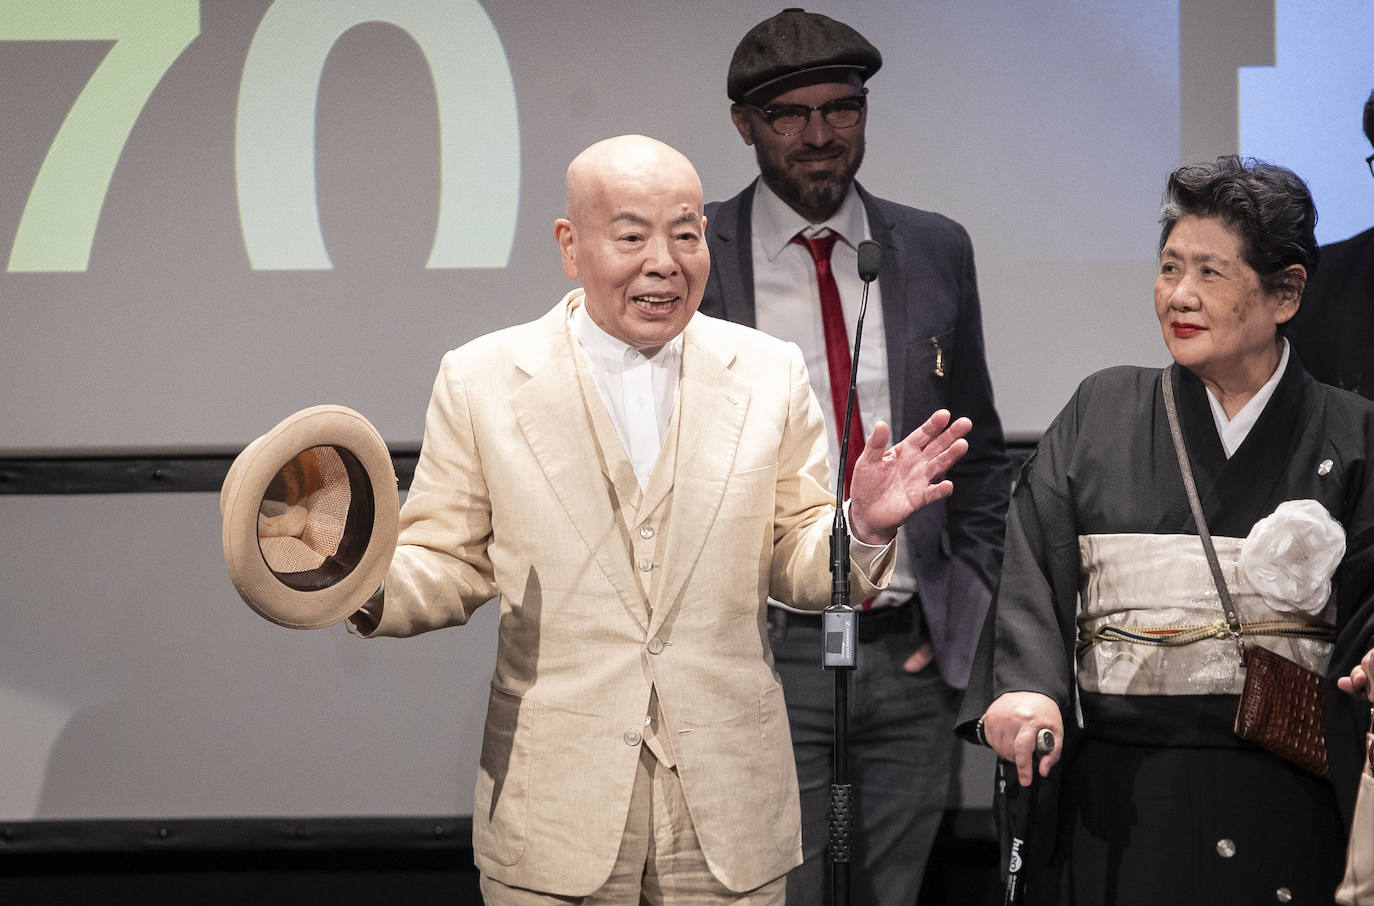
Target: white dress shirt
[[638, 391], [787, 305]]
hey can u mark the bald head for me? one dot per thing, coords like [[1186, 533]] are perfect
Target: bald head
[[624, 161], [634, 235]]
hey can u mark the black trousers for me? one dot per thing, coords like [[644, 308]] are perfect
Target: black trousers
[[901, 744]]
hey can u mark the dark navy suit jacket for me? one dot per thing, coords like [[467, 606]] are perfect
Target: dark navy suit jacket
[[1333, 330], [930, 308]]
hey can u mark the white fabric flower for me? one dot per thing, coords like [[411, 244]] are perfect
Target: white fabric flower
[[1291, 554]]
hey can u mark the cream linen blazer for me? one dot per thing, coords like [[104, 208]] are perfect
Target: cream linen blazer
[[512, 497]]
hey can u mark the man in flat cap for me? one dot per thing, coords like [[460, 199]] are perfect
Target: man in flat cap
[[633, 480], [784, 260]]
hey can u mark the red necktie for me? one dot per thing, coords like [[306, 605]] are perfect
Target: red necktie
[[836, 348]]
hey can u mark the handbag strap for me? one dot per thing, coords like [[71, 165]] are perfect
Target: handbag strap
[[1171, 410]]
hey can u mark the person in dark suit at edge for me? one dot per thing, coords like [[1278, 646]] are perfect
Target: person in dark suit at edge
[[1333, 332], [784, 260]]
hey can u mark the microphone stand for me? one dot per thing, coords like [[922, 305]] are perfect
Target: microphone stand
[[839, 622]]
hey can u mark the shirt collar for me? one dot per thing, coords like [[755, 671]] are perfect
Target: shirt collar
[[1233, 431], [775, 223], [606, 348]]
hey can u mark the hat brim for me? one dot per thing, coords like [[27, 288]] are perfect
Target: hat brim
[[336, 592]]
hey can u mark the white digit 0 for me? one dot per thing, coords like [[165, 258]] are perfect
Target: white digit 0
[[275, 141]]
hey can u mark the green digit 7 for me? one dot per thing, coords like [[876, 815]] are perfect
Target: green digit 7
[[58, 225]]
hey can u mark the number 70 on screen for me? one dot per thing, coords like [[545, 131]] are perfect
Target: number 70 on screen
[[275, 123]]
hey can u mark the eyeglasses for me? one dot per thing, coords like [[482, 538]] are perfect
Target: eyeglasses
[[1370, 161], [791, 119]]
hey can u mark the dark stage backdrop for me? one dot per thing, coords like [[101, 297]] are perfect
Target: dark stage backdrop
[[215, 213]]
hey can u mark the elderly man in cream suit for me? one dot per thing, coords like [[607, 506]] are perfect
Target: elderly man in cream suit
[[633, 480]]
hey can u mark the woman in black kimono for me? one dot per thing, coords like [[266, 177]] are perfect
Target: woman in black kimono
[[1107, 620]]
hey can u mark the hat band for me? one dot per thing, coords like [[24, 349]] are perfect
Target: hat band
[[760, 95]]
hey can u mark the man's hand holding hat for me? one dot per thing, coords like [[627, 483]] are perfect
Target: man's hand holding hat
[[310, 512]]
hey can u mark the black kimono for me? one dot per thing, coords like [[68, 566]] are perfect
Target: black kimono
[[1156, 799]]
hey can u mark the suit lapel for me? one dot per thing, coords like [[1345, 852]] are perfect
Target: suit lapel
[[711, 412], [554, 418], [733, 258]]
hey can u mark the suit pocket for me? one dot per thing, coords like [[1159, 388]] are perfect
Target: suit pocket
[[739, 773], [751, 493], [751, 480], [933, 356], [501, 800]]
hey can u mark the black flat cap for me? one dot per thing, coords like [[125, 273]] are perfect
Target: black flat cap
[[796, 43]]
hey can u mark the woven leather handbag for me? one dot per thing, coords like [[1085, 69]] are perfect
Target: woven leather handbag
[[1281, 708]]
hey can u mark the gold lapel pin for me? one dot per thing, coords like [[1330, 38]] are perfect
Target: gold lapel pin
[[939, 358]]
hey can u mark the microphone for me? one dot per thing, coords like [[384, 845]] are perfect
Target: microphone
[[839, 620], [870, 256]]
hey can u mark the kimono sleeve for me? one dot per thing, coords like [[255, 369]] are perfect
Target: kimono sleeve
[[1027, 638]]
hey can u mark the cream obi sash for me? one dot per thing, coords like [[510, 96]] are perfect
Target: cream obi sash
[[1150, 620]]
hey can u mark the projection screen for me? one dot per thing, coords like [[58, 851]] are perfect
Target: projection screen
[[215, 213]]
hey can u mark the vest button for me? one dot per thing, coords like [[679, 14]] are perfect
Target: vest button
[[655, 645], [632, 737], [646, 532], [645, 564]]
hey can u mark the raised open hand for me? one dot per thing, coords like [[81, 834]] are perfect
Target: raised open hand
[[891, 484]]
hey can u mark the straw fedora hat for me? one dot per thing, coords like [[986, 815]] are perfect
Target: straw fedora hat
[[309, 513]]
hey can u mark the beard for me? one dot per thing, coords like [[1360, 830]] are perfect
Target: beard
[[815, 196]]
